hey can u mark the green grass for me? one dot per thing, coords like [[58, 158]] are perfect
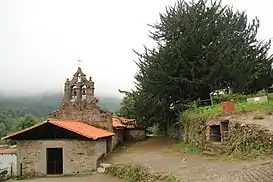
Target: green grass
[[240, 107], [186, 148], [137, 173]]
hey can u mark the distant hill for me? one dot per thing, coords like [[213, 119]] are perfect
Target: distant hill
[[44, 104]]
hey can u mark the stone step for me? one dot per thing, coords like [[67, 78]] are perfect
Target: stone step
[[209, 153], [212, 148]]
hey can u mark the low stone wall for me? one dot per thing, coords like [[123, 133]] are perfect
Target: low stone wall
[[135, 134], [240, 136], [257, 99], [194, 131], [245, 137]]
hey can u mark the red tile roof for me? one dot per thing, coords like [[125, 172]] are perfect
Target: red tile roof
[[7, 151], [122, 122], [73, 126], [213, 122]]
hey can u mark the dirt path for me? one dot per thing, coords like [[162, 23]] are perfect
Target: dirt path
[[157, 155], [93, 178]]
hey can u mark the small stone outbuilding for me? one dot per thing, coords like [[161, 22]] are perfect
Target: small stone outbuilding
[[60, 147], [125, 130]]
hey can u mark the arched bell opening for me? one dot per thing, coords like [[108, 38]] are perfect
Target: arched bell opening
[[73, 93], [83, 92]]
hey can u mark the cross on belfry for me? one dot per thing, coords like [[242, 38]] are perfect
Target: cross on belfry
[[79, 62]]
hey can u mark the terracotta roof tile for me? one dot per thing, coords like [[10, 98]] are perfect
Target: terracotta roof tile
[[213, 122], [73, 126], [118, 122], [83, 129], [8, 151]]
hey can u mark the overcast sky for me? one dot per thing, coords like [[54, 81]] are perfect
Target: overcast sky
[[40, 40]]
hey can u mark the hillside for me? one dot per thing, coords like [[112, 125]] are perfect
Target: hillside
[[44, 104]]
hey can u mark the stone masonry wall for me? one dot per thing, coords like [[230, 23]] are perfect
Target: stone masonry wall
[[194, 131], [240, 136], [78, 156], [118, 138], [245, 137], [84, 111], [135, 134]]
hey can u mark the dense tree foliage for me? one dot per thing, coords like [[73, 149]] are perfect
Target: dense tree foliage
[[127, 106], [11, 121], [201, 47]]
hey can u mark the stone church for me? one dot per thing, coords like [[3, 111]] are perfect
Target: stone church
[[75, 137]]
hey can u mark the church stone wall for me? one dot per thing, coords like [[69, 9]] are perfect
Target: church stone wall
[[78, 156], [86, 112]]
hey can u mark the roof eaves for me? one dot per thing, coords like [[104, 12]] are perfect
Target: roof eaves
[[24, 130], [71, 129], [80, 133]]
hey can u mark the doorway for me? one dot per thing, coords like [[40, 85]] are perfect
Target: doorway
[[54, 160], [108, 145], [215, 133]]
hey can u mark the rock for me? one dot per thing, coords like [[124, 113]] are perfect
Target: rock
[[100, 170], [102, 167], [105, 165]]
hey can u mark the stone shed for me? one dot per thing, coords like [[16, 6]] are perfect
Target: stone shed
[[60, 147], [125, 130]]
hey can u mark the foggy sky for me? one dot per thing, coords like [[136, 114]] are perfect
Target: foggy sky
[[40, 41]]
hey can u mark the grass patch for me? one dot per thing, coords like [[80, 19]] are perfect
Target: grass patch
[[186, 148], [136, 173], [240, 107]]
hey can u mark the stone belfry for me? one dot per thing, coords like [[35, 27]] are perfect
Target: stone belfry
[[79, 88], [79, 103]]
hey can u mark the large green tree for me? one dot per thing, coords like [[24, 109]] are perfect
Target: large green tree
[[201, 47]]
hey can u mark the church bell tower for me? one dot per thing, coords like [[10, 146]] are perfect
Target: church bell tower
[[79, 88]]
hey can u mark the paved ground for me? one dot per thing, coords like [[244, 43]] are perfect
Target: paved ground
[[255, 174], [93, 178], [156, 153]]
